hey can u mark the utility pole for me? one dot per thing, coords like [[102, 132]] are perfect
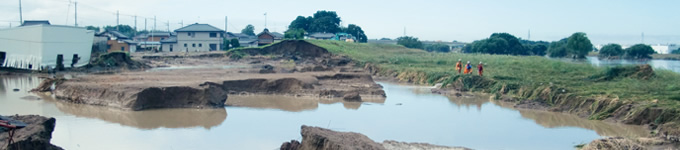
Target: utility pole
[[529, 35], [75, 5], [21, 16], [117, 20], [225, 24], [643, 38], [135, 26], [265, 20], [404, 31], [168, 25], [181, 23], [145, 25]]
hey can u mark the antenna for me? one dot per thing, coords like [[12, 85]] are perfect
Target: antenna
[[117, 19], [75, 5], [529, 36], [643, 37], [181, 23], [168, 25], [265, 20], [21, 16], [404, 31]]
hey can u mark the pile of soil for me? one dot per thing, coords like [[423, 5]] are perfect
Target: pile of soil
[[613, 143], [115, 61], [324, 139], [295, 49], [36, 135], [643, 72]]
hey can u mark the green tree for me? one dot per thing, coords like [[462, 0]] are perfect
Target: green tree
[[438, 47], [558, 48], [639, 51], [124, 29], [225, 43], [234, 43], [578, 45], [301, 23], [677, 51], [610, 50], [325, 21], [357, 32], [96, 29], [410, 42], [249, 30], [294, 33], [514, 46], [498, 43]]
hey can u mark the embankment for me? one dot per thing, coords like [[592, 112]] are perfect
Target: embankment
[[36, 135]]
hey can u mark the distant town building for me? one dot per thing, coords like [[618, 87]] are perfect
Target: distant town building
[[196, 37], [244, 40], [265, 37], [117, 42], [37, 46]]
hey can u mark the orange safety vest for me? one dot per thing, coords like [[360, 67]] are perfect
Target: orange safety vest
[[459, 66]]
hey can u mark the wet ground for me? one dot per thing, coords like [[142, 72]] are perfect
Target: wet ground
[[410, 113]]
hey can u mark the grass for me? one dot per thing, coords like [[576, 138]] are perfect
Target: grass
[[528, 72]]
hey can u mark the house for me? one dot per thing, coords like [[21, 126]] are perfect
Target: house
[[153, 36], [37, 46], [320, 36], [117, 42], [265, 37], [169, 44], [195, 37], [243, 39]]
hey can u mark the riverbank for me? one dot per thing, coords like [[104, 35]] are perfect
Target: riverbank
[[531, 82]]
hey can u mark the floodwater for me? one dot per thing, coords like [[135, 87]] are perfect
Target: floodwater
[[410, 113], [672, 65]]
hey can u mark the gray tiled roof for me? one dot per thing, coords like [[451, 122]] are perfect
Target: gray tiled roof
[[172, 39], [199, 28], [114, 33], [277, 35]]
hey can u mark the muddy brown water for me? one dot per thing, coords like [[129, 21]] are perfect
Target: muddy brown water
[[410, 113]]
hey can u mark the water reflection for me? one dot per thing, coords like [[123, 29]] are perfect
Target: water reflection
[[292, 103], [556, 120]]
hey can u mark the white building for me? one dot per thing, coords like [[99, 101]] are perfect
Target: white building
[[194, 38], [37, 46]]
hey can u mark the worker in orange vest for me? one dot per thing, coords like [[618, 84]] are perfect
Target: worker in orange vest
[[480, 68], [468, 68], [459, 66]]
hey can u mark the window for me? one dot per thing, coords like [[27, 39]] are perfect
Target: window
[[185, 44], [213, 34], [188, 33], [200, 45], [193, 45], [122, 48]]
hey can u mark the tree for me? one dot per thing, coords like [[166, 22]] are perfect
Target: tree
[[226, 44], [96, 29], [301, 23], [124, 29], [410, 42], [438, 47], [578, 45], [325, 21], [294, 33], [498, 43], [357, 32], [234, 43], [639, 51], [610, 50], [558, 48], [249, 30], [677, 51]]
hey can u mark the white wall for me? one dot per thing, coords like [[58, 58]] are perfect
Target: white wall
[[200, 38], [39, 45]]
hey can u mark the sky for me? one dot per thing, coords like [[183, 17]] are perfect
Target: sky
[[604, 21]]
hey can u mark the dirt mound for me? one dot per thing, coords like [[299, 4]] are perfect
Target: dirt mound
[[290, 49], [315, 138], [36, 135], [670, 132], [46, 85], [116, 61], [643, 72], [324, 139], [269, 86], [613, 143], [139, 98]]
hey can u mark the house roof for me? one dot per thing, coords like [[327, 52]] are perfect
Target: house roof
[[130, 41], [35, 22], [322, 35], [239, 35], [277, 35], [199, 28], [172, 39], [113, 33]]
